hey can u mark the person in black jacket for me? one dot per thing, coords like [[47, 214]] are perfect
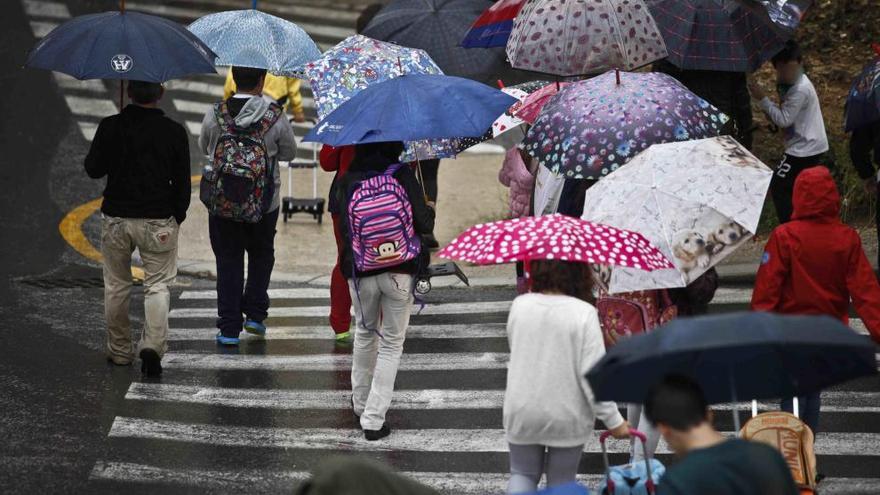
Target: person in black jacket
[[145, 157], [861, 143], [382, 298], [727, 91]]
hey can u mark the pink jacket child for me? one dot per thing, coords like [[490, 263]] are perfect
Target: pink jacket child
[[515, 175]]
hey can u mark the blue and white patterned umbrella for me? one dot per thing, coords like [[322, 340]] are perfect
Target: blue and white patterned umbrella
[[250, 38]]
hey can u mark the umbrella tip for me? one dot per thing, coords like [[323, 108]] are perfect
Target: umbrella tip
[[500, 84], [876, 47], [617, 75]]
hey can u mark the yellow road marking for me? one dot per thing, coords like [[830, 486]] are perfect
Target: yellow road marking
[[72, 232]]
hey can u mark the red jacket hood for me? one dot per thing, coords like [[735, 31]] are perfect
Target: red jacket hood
[[815, 195]]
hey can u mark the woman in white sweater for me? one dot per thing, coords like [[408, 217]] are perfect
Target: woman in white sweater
[[549, 409]]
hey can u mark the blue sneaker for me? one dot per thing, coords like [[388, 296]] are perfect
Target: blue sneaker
[[255, 328], [223, 340]]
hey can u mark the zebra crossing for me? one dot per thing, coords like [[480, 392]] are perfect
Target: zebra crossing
[[260, 417], [187, 100]]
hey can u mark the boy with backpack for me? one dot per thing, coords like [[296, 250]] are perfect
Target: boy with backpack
[[245, 136], [384, 213], [814, 265]]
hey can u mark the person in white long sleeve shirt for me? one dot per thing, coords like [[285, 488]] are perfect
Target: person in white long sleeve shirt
[[549, 408], [800, 117]]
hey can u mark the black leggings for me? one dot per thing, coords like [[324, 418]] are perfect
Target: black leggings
[[782, 185]]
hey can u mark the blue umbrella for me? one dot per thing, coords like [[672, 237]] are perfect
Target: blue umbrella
[[737, 356], [122, 45], [412, 108], [863, 100], [250, 38]]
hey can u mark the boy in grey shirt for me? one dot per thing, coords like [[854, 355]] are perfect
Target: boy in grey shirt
[[800, 117]]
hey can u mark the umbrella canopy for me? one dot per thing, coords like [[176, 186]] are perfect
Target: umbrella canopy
[[722, 35], [493, 26], [250, 38], [437, 26], [788, 14], [555, 236], [122, 45], [411, 108], [534, 103], [863, 100], [698, 201], [358, 62], [736, 356], [593, 127], [569, 38]]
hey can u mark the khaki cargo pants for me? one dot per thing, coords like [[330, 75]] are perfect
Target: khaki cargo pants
[[156, 240]]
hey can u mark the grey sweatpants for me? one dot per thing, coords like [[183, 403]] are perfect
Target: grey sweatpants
[[635, 414], [381, 302], [529, 462]]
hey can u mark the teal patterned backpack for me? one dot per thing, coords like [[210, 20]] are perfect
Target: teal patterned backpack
[[239, 184]]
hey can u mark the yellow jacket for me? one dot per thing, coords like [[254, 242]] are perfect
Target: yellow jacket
[[276, 87]]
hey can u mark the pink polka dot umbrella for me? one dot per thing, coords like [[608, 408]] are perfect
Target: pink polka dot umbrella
[[555, 237]]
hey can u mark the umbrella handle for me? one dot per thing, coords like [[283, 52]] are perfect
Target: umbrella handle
[[254, 4], [122, 6]]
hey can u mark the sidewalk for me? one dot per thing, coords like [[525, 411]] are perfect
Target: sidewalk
[[469, 193]]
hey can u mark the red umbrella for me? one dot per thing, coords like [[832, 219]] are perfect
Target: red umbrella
[[555, 237], [531, 106]]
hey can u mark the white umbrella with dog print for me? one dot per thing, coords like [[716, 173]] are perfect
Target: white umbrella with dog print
[[696, 200]]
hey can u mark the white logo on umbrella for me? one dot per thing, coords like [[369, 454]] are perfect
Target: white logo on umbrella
[[121, 63]]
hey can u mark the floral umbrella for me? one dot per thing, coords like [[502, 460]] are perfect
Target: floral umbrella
[[576, 37], [557, 237], [592, 127], [698, 201]]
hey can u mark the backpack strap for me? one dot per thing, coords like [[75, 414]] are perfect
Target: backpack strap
[[268, 120], [223, 118], [392, 169]]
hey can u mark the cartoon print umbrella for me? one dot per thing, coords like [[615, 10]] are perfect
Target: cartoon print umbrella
[[863, 100], [250, 38], [593, 127], [576, 37], [557, 237], [493, 27], [357, 62], [722, 35], [533, 104], [698, 201]]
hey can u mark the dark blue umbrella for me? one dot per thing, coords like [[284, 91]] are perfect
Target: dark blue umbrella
[[438, 26], [412, 108], [122, 45], [723, 35], [737, 356], [863, 100]]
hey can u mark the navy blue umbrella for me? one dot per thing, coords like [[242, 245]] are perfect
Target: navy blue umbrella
[[437, 26], [413, 107], [737, 356], [723, 35], [863, 100], [122, 45]]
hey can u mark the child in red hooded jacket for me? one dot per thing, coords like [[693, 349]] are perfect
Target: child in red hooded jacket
[[814, 265]]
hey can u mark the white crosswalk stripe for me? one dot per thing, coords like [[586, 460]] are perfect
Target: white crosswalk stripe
[[486, 330]]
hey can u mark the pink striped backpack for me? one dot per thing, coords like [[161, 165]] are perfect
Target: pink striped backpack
[[381, 223]]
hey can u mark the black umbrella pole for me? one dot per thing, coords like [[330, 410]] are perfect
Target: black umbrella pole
[[734, 409]]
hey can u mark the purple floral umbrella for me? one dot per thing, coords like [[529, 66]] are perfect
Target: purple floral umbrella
[[592, 127]]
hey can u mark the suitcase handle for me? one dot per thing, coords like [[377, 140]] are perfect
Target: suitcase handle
[[649, 484]]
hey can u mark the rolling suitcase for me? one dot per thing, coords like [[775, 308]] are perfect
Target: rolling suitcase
[[630, 479], [791, 437], [313, 206]]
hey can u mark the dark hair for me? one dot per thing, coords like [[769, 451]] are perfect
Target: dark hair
[[366, 16], [571, 278], [144, 93], [247, 78], [677, 402], [389, 150], [791, 52]]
